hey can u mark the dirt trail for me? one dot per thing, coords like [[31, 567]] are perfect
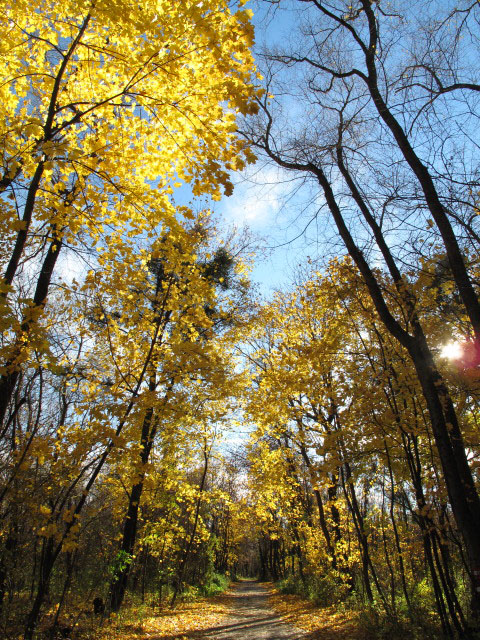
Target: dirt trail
[[251, 618]]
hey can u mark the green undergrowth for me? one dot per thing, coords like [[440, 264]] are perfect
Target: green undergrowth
[[214, 584], [321, 590], [217, 583], [377, 620]]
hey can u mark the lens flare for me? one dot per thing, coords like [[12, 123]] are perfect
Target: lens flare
[[452, 351]]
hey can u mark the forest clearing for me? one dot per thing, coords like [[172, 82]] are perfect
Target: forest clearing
[[240, 319]]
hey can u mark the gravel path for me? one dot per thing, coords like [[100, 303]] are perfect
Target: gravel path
[[251, 618]]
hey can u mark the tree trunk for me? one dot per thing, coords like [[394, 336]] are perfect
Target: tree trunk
[[9, 379], [119, 581]]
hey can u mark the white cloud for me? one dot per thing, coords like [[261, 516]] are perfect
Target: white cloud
[[257, 198]]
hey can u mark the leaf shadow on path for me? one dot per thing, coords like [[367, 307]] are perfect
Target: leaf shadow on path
[[251, 618]]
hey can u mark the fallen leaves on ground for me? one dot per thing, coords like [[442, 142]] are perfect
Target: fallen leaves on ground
[[169, 624], [323, 623]]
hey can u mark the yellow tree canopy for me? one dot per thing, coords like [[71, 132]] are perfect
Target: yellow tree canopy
[[105, 105]]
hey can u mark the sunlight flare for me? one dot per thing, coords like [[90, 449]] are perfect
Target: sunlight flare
[[452, 351]]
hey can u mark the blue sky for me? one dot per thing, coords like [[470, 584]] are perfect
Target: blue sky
[[271, 203], [280, 211]]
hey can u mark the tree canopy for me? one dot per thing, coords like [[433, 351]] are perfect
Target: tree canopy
[[163, 428]]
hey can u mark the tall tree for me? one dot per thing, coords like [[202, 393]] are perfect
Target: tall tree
[[375, 164], [104, 112], [107, 108]]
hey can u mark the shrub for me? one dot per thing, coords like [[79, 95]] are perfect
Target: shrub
[[215, 583]]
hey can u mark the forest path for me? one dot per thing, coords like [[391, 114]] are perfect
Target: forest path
[[251, 618], [245, 612]]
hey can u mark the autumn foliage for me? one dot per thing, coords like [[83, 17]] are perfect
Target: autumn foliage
[[113, 333], [133, 345]]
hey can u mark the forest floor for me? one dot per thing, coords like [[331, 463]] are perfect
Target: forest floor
[[317, 623], [248, 611], [251, 617]]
